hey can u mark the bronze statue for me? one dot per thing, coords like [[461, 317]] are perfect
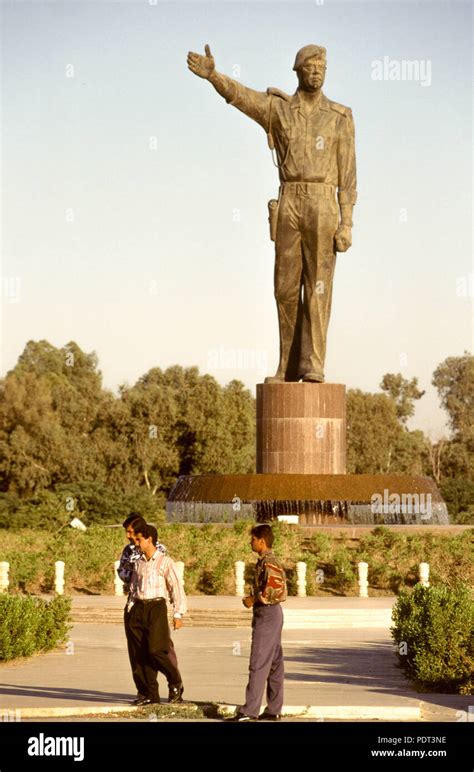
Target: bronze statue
[[314, 142]]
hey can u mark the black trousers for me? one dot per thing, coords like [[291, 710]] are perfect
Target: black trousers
[[150, 647]]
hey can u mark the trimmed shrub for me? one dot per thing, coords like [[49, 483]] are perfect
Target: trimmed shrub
[[434, 633], [29, 625]]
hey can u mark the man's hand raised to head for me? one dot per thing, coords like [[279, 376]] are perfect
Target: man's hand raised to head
[[202, 66]]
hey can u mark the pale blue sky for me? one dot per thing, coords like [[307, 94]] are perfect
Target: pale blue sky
[[135, 198]]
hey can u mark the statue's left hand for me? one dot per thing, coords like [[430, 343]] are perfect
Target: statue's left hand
[[343, 238]]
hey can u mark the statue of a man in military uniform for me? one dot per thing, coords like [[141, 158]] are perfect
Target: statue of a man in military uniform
[[314, 142]]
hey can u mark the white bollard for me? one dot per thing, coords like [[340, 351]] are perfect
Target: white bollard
[[239, 577], [118, 584], [424, 571], [301, 579], [4, 580], [180, 570], [59, 577], [363, 579]]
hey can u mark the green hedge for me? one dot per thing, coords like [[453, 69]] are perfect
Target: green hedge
[[29, 625], [210, 551], [434, 631]]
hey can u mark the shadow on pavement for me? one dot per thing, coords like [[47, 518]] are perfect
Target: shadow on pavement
[[61, 693], [373, 667]]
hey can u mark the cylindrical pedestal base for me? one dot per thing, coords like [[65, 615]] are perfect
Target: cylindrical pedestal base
[[301, 428]]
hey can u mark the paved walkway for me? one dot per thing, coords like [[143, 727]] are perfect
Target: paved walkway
[[339, 673]]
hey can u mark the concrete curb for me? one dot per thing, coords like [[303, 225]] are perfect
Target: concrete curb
[[294, 619], [360, 712], [321, 712]]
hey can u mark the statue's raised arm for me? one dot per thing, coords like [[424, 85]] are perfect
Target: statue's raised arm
[[255, 104]]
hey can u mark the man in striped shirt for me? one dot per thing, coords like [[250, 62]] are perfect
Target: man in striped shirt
[[131, 552], [154, 579]]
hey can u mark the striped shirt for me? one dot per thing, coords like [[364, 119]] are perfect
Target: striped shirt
[[130, 554], [158, 578]]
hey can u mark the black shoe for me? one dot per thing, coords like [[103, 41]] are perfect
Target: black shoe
[[138, 699], [269, 716], [240, 718], [147, 701], [175, 693]]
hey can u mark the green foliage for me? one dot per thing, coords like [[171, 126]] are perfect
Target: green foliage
[[454, 380], [458, 494], [209, 553], [372, 427], [433, 628], [63, 436], [61, 431], [343, 569], [467, 517], [45, 510], [393, 558], [403, 392], [91, 502], [457, 459], [377, 441], [29, 625]]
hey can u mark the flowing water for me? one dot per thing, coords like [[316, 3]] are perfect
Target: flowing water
[[315, 499]]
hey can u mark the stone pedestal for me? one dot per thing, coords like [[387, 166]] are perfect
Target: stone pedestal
[[301, 428]]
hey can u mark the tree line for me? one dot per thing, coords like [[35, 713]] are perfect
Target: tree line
[[67, 444]]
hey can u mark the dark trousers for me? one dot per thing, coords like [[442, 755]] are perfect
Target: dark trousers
[[150, 647], [266, 661]]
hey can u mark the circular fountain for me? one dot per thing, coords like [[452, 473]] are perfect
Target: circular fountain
[[301, 462]]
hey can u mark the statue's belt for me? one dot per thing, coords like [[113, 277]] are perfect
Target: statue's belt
[[309, 189]]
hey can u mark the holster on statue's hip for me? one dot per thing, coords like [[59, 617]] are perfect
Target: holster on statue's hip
[[273, 206]]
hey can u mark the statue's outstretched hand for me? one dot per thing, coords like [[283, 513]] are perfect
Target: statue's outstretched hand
[[343, 238], [201, 65]]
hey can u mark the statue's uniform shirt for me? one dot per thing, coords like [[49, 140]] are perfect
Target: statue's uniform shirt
[[316, 157], [318, 147]]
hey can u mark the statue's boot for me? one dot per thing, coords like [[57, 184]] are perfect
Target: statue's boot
[[313, 378], [277, 378]]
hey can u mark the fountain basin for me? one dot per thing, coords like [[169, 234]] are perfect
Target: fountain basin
[[308, 499]]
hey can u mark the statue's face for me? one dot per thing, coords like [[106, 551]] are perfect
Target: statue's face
[[311, 74]]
